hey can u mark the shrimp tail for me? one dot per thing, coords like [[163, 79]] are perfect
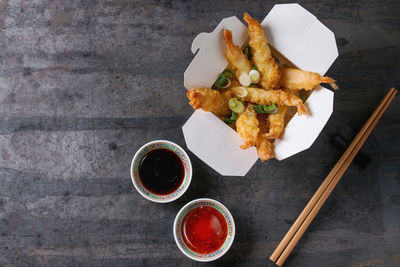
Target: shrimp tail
[[227, 34], [248, 18], [326, 80], [247, 144], [301, 109], [330, 81]]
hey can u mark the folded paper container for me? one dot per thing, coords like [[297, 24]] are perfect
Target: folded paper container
[[302, 39]]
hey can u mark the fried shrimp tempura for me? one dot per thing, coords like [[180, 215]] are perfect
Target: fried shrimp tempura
[[262, 54], [247, 127], [235, 56], [269, 97], [295, 79], [265, 148], [210, 100], [276, 123]]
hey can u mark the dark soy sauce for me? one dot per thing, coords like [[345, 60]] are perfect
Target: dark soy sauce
[[161, 171]]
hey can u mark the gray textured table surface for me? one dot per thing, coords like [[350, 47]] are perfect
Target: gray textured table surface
[[83, 84]]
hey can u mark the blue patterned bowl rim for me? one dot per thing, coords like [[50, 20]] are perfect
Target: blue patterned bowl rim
[[135, 170], [178, 234]]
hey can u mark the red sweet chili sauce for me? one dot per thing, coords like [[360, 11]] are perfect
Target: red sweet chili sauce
[[204, 229]]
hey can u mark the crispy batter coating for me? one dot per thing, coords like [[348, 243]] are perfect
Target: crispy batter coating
[[269, 97], [247, 127], [235, 56], [265, 148], [262, 57], [210, 100], [276, 123], [295, 79]]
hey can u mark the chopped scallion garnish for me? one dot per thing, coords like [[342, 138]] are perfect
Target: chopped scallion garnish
[[236, 105], [271, 109], [223, 79], [232, 118], [247, 51], [228, 73], [220, 81], [254, 76]]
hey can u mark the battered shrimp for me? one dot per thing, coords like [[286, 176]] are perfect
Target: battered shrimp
[[262, 57], [269, 97], [276, 123], [295, 79], [247, 127], [265, 148], [210, 100], [235, 56]]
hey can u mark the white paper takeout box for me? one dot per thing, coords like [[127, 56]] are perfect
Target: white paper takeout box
[[301, 38]]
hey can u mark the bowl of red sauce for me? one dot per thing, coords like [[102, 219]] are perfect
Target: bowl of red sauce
[[161, 171], [204, 229]]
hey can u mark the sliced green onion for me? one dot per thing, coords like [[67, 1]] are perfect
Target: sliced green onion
[[244, 79], [227, 83], [223, 79], [236, 105], [232, 118], [220, 81], [259, 108], [247, 51], [271, 109], [254, 76], [227, 73]]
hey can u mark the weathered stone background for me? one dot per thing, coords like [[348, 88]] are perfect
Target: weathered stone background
[[83, 84]]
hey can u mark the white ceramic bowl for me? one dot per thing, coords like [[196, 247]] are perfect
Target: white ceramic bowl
[[178, 232], [135, 171]]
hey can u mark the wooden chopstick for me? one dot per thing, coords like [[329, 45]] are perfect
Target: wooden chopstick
[[307, 215], [296, 225], [332, 185]]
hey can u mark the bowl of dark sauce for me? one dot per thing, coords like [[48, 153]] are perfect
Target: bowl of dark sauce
[[161, 171]]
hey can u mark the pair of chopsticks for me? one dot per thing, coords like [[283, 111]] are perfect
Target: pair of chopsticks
[[301, 224]]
